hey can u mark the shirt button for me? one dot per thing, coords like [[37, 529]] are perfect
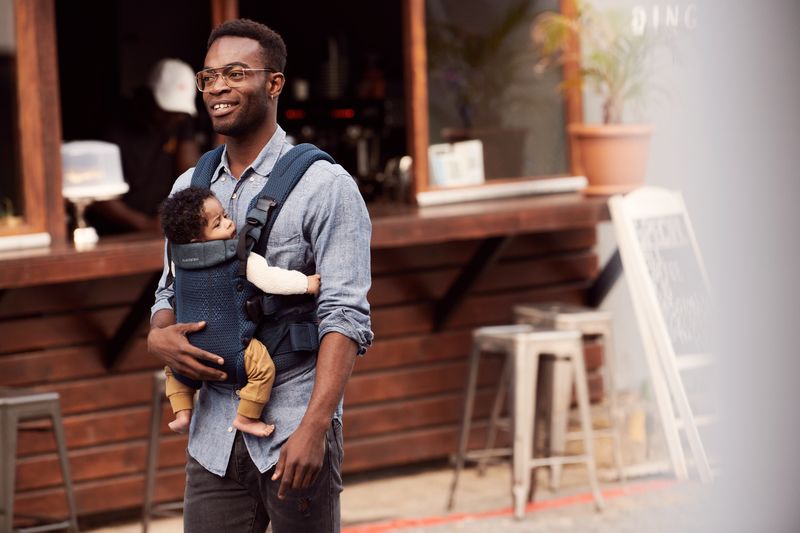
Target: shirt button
[[222, 178], [233, 196], [230, 429], [238, 393], [239, 287], [252, 178]]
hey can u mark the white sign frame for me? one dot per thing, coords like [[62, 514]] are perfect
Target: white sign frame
[[664, 363]]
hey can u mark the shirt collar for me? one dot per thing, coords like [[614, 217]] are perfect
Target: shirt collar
[[264, 161]]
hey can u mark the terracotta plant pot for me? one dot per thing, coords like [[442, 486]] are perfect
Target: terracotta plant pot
[[613, 157]]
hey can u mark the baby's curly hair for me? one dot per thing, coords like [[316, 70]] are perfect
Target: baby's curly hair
[[181, 214]]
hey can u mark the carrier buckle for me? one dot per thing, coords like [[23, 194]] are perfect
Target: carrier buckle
[[259, 306]]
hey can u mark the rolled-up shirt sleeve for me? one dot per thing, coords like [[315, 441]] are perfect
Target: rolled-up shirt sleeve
[[339, 231], [165, 292]]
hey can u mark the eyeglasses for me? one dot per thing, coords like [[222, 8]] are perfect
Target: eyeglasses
[[233, 76]]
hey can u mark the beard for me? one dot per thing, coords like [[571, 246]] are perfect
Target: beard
[[249, 117]]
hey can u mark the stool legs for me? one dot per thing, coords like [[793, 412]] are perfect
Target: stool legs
[[559, 415], [497, 408], [582, 391], [523, 350], [609, 353], [523, 399], [61, 443], [466, 422], [152, 449], [561, 398], [9, 421], [9, 454]]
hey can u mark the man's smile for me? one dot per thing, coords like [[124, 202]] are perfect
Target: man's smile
[[219, 109]]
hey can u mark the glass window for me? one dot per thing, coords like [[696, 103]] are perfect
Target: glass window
[[482, 85], [11, 200]]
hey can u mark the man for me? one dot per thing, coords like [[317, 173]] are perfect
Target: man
[[292, 479]]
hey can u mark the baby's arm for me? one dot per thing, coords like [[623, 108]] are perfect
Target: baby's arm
[[274, 280]]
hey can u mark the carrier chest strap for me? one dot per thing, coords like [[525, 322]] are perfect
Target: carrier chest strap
[[256, 219]]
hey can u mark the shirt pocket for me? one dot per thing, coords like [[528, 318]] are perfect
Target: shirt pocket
[[289, 251]]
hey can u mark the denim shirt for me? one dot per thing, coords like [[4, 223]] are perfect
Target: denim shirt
[[323, 227]]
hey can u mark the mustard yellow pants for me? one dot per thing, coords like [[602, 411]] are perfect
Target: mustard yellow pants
[[253, 397]]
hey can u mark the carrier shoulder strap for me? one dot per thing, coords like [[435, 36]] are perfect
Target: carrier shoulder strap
[[265, 207], [201, 177], [205, 167]]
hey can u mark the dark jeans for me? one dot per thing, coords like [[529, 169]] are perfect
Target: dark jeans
[[246, 500]]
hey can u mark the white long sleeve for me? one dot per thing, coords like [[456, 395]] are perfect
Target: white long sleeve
[[274, 280]]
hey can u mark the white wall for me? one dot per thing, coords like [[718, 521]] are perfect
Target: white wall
[[730, 140], [671, 152]]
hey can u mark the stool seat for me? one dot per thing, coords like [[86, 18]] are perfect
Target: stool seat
[[560, 315], [523, 346], [10, 396], [16, 405]]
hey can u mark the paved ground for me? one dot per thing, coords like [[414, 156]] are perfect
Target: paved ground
[[641, 506], [414, 502]]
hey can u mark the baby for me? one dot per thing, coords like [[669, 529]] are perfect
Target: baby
[[196, 215]]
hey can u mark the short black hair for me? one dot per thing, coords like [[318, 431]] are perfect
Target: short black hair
[[273, 49], [182, 216]]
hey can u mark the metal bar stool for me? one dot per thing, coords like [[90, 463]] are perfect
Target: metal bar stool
[[524, 346], [151, 509], [589, 322], [17, 405]]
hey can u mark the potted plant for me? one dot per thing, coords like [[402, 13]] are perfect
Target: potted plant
[[477, 69], [618, 64]]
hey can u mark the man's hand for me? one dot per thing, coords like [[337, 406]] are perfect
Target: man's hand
[[300, 460], [168, 342], [302, 456]]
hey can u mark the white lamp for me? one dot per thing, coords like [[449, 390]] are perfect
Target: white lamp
[[92, 171]]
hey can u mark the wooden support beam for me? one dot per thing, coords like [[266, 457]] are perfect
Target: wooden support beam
[[608, 277], [484, 257], [127, 329]]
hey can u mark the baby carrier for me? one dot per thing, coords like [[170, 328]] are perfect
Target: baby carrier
[[211, 285]]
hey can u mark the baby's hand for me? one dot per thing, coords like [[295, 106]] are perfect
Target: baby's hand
[[313, 285]]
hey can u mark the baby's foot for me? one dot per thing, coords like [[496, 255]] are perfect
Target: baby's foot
[[181, 422], [253, 426]]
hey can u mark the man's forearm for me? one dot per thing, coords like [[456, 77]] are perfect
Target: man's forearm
[[162, 319], [337, 355]]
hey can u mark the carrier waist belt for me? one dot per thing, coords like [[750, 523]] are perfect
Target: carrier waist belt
[[289, 343], [276, 307]]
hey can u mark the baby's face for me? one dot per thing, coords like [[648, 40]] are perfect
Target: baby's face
[[218, 226]]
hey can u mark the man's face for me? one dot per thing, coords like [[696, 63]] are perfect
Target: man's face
[[218, 226], [237, 111]]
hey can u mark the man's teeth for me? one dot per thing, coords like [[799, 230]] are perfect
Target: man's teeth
[[221, 106]]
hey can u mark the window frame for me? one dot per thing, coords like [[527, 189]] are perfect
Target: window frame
[[38, 121]]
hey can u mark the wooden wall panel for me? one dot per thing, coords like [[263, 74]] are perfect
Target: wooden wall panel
[[402, 260], [403, 403], [62, 297], [93, 429]]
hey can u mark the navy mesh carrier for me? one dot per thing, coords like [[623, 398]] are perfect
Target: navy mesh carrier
[[234, 309]]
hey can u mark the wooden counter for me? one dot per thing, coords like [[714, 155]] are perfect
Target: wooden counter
[[437, 273], [393, 227]]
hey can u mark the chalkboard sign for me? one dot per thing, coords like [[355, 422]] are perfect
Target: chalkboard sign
[[672, 301], [677, 276]]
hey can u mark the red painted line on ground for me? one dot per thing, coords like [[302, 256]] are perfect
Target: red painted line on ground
[[566, 501]]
